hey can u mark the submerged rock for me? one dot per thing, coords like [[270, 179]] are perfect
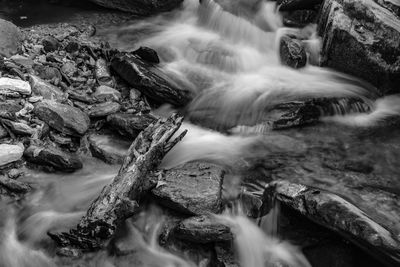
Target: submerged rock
[[361, 38], [53, 157], [108, 148], [10, 153], [292, 52], [11, 38], [203, 229], [130, 124], [14, 87], [194, 188], [152, 81], [140, 7], [65, 119]]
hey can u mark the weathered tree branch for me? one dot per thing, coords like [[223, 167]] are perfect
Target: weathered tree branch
[[119, 200]]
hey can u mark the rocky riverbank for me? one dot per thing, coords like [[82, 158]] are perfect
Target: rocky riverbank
[[66, 95]]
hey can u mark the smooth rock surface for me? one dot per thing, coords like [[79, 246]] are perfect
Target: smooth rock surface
[[108, 148], [10, 86], [10, 38], [361, 38], [105, 93], [45, 89], [140, 7], [65, 119], [130, 124], [10, 153], [194, 188], [53, 157]]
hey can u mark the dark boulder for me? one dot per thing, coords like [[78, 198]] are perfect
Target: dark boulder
[[54, 157], [50, 44], [140, 7], [361, 38], [147, 54], [130, 124], [297, 4], [194, 188], [152, 81], [65, 119], [11, 38], [292, 52]]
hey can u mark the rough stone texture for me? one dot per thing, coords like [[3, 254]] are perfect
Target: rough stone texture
[[338, 214], [45, 89], [203, 229], [140, 7], [10, 153], [14, 87], [11, 186], [108, 148], [18, 128], [292, 52], [152, 81], [8, 109], [130, 124], [361, 38], [11, 38], [194, 188], [63, 118], [103, 109], [53, 157]]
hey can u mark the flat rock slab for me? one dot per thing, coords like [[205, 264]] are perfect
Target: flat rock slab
[[194, 188], [10, 153], [11, 38], [65, 119], [203, 229], [108, 148], [14, 87], [53, 157]]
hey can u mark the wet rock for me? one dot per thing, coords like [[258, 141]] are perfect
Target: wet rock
[[18, 128], [105, 93], [103, 109], [130, 124], [108, 148], [14, 87], [11, 38], [10, 153], [44, 89], [150, 80], [13, 186], [336, 213], [50, 44], [140, 7], [65, 119], [361, 38], [297, 4], [52, 156], [102, 73], [147, 54], [203, 229], [194, 188], [292, 52]]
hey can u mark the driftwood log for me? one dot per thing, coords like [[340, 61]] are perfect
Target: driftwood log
[[119, 200]]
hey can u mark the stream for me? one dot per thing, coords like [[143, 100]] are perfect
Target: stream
[[227, 55]]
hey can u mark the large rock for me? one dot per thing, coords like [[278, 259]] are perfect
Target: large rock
[[108, 148], [292, 52], [194, 188], [52, 157], [336, 213], [10, 153], [11, 38], [151, 80], [361, 38], [14, 87], [140, 7], [65, 119], [130, 124]]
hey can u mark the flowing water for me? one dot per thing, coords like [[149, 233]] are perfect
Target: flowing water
[[227, 55]]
